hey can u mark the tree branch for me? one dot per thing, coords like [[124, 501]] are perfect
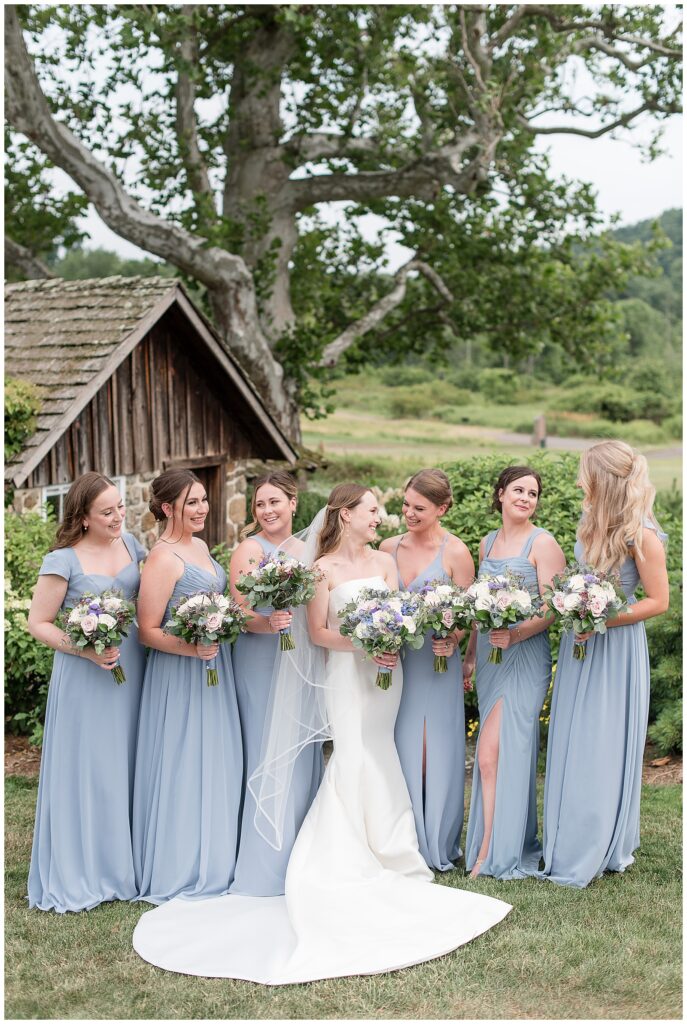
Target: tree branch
[[187, 127], [28, 112], [312, 146], [25, 261], [422, 179], [587, 133], [382, 308]]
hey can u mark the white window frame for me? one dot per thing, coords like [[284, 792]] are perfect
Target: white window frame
[[60, 490]]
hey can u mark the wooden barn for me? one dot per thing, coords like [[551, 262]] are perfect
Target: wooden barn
[[133, 380]]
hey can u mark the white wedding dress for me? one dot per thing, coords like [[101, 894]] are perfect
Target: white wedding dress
[[359, 897]]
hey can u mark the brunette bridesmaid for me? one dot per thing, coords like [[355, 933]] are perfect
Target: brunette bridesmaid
[[502, 827], [260, 869], [430, 728], [189, 763], [82, 852], [600, 704]]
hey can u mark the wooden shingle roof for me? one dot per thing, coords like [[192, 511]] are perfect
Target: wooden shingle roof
[[68, 337]]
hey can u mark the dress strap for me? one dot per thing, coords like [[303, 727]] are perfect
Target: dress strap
[[530, 541], [266, 545], [396, 547], [491, 537]]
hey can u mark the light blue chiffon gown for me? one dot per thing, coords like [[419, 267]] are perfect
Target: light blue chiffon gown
[[599, 715], [521, 682], [81, 852], [435, 701], [189, 765], [260, 869]]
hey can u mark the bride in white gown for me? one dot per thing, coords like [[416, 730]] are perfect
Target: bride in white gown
[[359, 896]]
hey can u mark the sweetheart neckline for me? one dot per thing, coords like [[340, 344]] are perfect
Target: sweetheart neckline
[[358, 579]]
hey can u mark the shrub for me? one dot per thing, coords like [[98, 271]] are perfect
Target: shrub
[[419, 401], [398, 376], [498, 385], [22, 402], [666, 731], [28, 663]]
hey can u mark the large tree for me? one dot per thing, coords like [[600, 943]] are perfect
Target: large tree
[[209, 134]]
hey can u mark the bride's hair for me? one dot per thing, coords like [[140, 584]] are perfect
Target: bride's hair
[[618, 502], [343, 496]]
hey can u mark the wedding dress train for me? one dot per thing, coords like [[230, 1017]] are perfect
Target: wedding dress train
[[359, 896]]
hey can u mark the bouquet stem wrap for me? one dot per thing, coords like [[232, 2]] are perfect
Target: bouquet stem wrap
[[286, 642]]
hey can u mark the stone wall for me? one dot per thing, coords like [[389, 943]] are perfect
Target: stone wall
[[140, 520]]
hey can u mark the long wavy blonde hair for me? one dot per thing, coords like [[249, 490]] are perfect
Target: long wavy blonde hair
[[618, 502]]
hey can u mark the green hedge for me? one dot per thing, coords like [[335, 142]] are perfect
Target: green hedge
[[28, 663]]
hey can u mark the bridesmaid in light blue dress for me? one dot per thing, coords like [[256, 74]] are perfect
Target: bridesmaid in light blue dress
[[502, 826], [189, 763], [430, 727], [260, 869], [600, 704], [81, 852]]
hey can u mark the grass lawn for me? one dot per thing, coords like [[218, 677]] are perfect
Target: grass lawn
[[610, 951]]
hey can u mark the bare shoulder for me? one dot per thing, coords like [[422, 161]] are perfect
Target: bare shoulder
[[163, 561], [456, 546], [385, 559], [545, 544], [651, 543], [389, 543]]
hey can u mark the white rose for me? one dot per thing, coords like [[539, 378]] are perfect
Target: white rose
[[432, 599], [523, 599], [483, 604], [112, 604], [394, 604], [444, 591], [108, 621], [409, 623], [74, 615], [89, 624], [222, 602], [571, 602], [504, 599], [576, 582], [480, 589], [360, 630], [185, 609]]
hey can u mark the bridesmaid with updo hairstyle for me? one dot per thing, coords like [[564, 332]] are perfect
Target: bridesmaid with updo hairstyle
[[189, 762], [600, 705], [430, 728], [261, 869], [502, 836], [81, 852]]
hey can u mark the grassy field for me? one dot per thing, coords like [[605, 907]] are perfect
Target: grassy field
[[610, 951], [363, 433]]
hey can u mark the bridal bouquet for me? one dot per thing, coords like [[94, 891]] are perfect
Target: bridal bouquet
[[100, 621], [282, 582], [583, 599], [447, 607], [498, 601], [206, 618], [381, 622]]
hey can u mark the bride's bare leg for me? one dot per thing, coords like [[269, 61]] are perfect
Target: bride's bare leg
[[488, 761]]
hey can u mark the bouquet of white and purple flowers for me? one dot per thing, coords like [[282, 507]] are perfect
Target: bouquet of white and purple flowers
[[100, 621], [499, 601], [447, 607], [381, 622], [282, 582], [584, 599], [206, 618]]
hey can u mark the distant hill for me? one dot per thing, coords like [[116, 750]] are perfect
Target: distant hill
[[663, 293]]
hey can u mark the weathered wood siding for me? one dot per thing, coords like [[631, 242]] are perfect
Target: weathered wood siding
[[163, 405]]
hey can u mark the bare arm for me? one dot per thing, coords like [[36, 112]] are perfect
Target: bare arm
[[654, 577], [244, 560], [46, 602], [158, 578]]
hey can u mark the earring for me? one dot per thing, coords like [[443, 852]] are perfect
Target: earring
[[84, 527]]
